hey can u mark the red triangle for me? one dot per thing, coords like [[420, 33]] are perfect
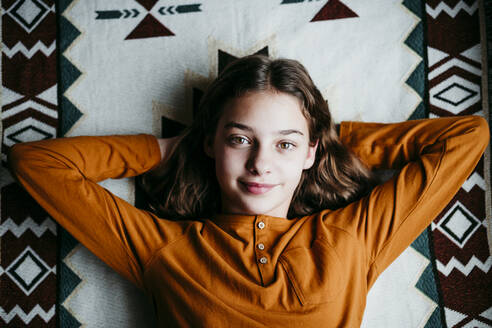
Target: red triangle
[[149, 27], [334, 9]]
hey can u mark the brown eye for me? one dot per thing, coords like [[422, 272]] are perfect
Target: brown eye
[[238, 140], [287, 146]]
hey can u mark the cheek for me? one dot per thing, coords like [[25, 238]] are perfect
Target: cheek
[[229, 163], [293, 170]]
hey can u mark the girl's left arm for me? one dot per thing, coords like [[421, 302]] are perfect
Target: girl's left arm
[[435, 157]]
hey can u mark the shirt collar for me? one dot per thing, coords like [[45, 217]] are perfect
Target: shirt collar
[[245, 219]]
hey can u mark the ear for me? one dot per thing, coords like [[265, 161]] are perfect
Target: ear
[[311, 156], [208, 146]]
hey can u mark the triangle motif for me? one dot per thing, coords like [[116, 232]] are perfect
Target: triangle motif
[[147, 4], [435, 55], [149, 27], [453, 317], [333, 9], [473, 53], [226, 58]]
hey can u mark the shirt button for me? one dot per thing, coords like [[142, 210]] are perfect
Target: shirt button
[[263, 260], [261, 224], [261, 246]]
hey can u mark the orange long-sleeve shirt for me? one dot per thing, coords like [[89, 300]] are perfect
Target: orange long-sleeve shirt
[[207, 272]]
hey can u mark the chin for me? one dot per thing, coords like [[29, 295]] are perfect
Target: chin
[[254, 210], [250, 208]]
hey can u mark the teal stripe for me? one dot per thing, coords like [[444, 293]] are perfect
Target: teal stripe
[[69, 114]]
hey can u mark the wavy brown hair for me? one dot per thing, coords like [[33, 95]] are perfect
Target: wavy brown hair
[[185, 185]]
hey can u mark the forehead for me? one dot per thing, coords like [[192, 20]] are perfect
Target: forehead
[[265, 112]]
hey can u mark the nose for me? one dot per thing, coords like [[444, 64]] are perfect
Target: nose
[[259, 162]]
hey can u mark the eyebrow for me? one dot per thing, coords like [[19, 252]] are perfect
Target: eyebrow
[[240, 126]]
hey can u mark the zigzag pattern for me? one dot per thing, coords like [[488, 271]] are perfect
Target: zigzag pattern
[[68, 280], [69, 33], [27, 317], [19, 47], [414, 41], [465, 269], [426, 283], [71, 114], [451, 11], [18, 230]]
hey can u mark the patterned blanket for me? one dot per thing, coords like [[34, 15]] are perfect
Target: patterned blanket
[[94, 67]]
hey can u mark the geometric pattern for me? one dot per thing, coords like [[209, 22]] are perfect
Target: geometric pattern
[[37, 112], [29, 224], [29, 52], [455, 94], [415, 41], [28, 270], [29, 112], [29, 319], [459, 233], [465, 269], [29, 13], [71, 114], [333, 9], [458, 224], [149, 26]]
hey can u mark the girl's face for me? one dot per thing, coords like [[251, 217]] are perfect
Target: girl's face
[[261, 146]]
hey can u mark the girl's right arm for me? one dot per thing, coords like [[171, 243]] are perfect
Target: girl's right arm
[[62, 174]]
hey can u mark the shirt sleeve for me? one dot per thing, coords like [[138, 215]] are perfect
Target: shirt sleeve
[[62, 174], [434, 157]]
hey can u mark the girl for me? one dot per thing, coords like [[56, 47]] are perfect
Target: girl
[[262, 213]]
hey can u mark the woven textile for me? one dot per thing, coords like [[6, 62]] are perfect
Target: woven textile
[[94, 67]]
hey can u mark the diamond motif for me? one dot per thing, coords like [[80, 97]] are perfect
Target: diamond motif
[[28, 270], [28, 13], [459, 224], [454, 94]]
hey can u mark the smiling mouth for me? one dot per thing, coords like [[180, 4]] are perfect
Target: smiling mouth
[[257, 188]]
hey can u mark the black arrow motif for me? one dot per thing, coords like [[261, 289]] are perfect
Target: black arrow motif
[[108, 14], [115, 14], [125, 13], [182, 9]]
